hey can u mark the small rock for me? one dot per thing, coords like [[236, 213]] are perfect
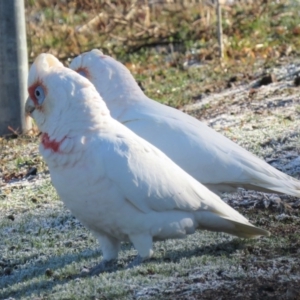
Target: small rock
[[297, 80], [32, 171], [230, 84], [270, 78], [231, 81], [49, 272], [296, 30], [289, 117], [11, 217]]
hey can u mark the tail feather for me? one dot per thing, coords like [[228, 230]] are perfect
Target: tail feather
[[213, 222], [264, 177], [275, 181]]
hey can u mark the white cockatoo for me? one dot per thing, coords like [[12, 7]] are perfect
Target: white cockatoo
[[117, 184], [211, 158]]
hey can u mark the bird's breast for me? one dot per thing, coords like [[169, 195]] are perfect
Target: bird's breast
[[95, 201]]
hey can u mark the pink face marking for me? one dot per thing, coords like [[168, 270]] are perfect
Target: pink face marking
[[83, 72], [48, 144]]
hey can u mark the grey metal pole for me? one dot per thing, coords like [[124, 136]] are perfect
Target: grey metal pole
[[13, 67]]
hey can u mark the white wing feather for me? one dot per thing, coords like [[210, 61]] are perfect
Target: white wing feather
[[208, 156], [205, 154], [151, 181]]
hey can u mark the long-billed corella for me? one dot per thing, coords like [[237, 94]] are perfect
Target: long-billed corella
[[117, 184], [214, 160]]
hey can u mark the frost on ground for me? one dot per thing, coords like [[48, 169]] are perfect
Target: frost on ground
[[44, 248]]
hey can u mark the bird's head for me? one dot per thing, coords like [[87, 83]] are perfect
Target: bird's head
[[112, 79], [60, 100]]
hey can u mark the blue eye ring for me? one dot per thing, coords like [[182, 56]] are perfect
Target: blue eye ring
[[39, 94]]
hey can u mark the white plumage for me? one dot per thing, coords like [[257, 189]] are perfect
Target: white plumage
[[215, 161], [117, 184]]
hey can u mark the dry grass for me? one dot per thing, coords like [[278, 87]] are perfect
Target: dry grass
[[43, 247], [161, 51], [71, 27]]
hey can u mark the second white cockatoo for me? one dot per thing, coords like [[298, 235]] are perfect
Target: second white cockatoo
[[117, 184], [211, 158]]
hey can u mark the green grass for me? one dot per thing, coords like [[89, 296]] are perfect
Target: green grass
[[44, 248]]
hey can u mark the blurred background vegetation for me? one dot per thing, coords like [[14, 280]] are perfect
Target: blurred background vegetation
[[163, 41]]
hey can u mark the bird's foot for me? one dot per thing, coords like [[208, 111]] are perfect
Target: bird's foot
[[104, 266]]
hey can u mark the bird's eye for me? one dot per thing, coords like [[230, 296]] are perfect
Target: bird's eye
[[82, 73], [39, 94]]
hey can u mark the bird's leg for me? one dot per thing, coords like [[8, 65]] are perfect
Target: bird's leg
[[110, 248], [143, 244]]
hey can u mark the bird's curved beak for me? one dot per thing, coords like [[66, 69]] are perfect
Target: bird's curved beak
[[29, 106]]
